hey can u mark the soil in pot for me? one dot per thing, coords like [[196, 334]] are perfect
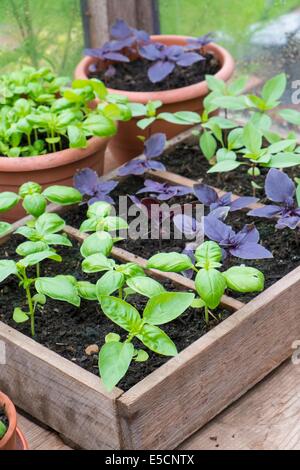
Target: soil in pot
[[3, 418], [133, 76], [68, 330]]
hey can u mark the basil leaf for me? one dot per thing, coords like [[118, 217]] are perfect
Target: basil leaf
[[145, 286], [99, 242], [49, 223], [208, 145], [167, 306], [130, 270], [77, 137], [4, 228], [210, 285], [35, 204], [157, 340], [170, 262], [208, 254], [56, 239], [99, 209], [19, 316], [86, 290], [58, 288], [97, 263], [109, 283], [35, 258], [8, 200], [114, 361], [62, 195], [7, 267], [223, 166], [121, 313], [27, 248], [244, 279]]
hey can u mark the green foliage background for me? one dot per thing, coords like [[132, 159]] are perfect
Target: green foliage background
[[40, 32]]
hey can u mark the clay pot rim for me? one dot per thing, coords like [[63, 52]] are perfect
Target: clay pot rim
[[51, 160], [12, 418], [177, 94]]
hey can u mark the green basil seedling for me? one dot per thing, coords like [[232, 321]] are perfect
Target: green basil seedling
[[210, 282], [115, 356], [34, 199]]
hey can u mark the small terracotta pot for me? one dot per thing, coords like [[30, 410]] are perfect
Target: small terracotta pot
[[50, 169], [9, 441], [125, 145]]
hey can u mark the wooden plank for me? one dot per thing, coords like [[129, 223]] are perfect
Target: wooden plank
[[266, 418], [38, 437], [98, 24], [127, 257], [214, 371], [59, 393]]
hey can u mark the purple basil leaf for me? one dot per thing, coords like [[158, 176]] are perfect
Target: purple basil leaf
[[174, 52], [160, 70], [156, 166], [189, 58], [116, 56], [242, 202], [288, 221], [266, 211], [205, 194], [151, 51], [225, 200], [107, 186], [101, 197], [141, 36], [216, 230], [249, 233], [187, 225], [278, 186], [220, 213], [155, 145], [86, 181], [120, 29], [134, 167], [201, 41], [250, 250]]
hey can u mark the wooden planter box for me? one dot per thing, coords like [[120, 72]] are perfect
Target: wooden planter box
[[175, 400]]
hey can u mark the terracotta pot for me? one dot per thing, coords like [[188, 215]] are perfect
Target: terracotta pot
[[125, 145], [50, 169], [9, 441]]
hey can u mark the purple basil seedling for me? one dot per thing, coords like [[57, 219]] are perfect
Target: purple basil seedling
[[280, 188], [164, 191], [89, 184], [209, 197], [166, 58], [153, 148], [243, 244]]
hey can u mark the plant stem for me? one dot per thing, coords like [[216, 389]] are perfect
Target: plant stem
[[38, 270], [120, 293], [206, 314], [31, 309]]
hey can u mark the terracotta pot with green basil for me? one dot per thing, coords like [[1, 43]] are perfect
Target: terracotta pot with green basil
[[48, 129], [166, 70]]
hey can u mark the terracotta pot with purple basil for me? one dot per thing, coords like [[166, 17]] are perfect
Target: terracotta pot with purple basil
[[48, 129], [166, 70], [11, 437]]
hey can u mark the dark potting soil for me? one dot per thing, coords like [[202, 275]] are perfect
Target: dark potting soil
[[3, 417], [133, 76], [187, 160], [68, 330]]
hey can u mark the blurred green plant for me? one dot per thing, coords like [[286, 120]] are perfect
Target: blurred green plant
[[40, 33]]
